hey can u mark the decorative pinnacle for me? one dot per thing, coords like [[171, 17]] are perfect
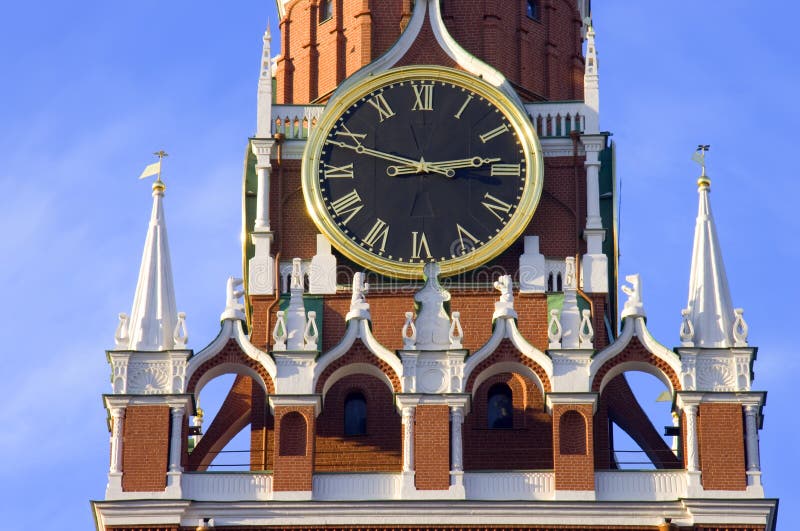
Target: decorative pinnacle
[[700, 158]]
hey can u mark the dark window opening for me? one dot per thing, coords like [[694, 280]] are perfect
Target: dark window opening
[[325, 10], [500, 408], [355, 414], [532, 9]]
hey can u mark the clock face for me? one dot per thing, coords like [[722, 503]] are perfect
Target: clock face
[[422, 165]]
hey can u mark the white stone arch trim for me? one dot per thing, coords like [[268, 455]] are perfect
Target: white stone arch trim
[[231, 329], [357, 329], [507, 366], [640, 366], [228, 368], [356, 368], [507, 329], [635, 326]]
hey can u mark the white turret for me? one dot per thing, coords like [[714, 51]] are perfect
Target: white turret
[[153, 322], [710, 311], [591, 83], [264, 111]]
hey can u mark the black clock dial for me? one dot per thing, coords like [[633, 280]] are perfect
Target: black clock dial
[[421, 170]]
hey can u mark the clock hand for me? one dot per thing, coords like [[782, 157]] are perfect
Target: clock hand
[[408, 165], [473, 162]]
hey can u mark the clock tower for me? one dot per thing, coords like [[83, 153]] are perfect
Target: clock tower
[[426, 332]]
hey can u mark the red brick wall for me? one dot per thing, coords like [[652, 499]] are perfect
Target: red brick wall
[[721, 444], [145, 448], [262, 431], [379, 450], [432, 447], [543, 58], [573, 471], [528, 445], [293, 472]]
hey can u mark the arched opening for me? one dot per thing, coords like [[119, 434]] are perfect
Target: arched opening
[[325, 10], [532, 9], [293, 434], [572, 434], [640, 430], [355, 414], [499, 407], [508, 427], [220, 434]]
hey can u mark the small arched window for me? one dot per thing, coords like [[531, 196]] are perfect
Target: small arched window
[[325, 10], [355, 414], [532, 9], [500, 408]]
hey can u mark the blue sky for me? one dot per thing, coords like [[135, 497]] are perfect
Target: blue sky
[[92, 89]]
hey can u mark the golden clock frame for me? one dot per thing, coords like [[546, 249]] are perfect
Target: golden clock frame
[[516, 116]]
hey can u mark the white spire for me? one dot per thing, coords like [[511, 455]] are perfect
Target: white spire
[[264, 110], [154, 319], [591, 81], [709, 308]]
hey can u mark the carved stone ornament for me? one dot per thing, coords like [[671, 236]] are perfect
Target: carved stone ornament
[[233, 308], [633, 305], [181, 334], [433, 324], [687, 329], [505, 306], [586, 334], [740, 328], [554, 330], [121, 337], [149, 378], [409, 332], [279, 332], [359, 307], [456, 332], [311, 334], [715, 375]]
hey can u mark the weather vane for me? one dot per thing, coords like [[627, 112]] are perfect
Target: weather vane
[[155, 168], [700, 157]]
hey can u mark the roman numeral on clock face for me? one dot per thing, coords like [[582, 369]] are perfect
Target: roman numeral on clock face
[[424, 97], [418, 245], [349, 203], [379, 231], [457, 115], [339, 172], [496, 206], [382, 106], [344, 131], [506, 170], [497, 131], [464, 233]]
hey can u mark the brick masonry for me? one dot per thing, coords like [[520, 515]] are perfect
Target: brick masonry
[[294, 455], [573, 452], [720, 430], [145, 448], [432, 447]]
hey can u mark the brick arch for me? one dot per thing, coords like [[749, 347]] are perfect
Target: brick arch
[[359, 353], [231, 353], [636, 352], [507, 352]]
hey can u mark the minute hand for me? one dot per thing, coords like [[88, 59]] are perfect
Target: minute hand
[[410, 163]]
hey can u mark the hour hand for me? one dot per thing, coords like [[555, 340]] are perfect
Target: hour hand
[[473, 162]]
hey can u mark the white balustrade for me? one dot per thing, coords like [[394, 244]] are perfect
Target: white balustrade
[[335, 487], [640, 485], [557, 119], [227, 486], [511, 485], [295, 122]]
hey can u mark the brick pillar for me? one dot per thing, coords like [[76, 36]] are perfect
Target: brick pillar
[[293, 457], [145, 448], [573, 444], [432, 445]]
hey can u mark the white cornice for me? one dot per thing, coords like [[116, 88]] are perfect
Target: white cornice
[[449, 512]]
